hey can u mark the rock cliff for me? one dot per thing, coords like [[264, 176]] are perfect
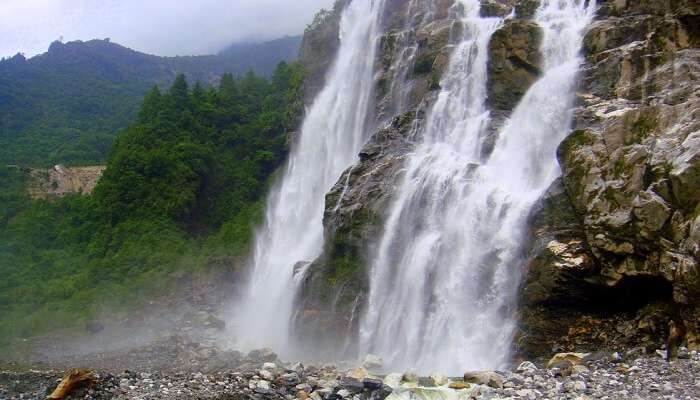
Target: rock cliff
[[61, 181], [615, 242], [413, 53]]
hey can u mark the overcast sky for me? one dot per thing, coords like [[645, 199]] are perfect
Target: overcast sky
[[163, 27]]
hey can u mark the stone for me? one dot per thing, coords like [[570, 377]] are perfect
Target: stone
[[269, 366], [393, 380], [266, 375], [438, 380], [514, 63], [352, 385], [491, 379], [262, 355], [572, 358], [685, 174], [563, 367], [495, 8], [526, 9], [298, 368], [651, 211], [410, 377], [372, 362], [263, 385], [458, 385], [579, 386], [304, 387], [372, 384], [315, 396], [529, 394], [358, 373], [526, 366], [290, 379], [579, 369]]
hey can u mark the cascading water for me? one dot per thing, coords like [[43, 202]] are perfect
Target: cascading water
[[444, 280], [332, 135]]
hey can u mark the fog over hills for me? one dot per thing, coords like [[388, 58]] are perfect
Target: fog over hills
[[160, 27]]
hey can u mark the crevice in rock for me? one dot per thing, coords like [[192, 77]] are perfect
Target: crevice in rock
[[630, 294]]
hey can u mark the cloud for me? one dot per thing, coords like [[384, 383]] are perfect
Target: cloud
[[163, 27]]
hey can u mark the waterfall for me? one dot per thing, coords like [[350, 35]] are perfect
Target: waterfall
[[332, 135], [445, 276]]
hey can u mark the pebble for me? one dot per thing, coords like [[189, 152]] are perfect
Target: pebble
[[605, 378]]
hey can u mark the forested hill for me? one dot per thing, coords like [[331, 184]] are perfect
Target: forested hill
[[66, 105], [182, 189]]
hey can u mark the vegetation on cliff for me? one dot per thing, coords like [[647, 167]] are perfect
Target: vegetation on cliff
[[183, 186]]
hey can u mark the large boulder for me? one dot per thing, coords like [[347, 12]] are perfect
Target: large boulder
[[514, 63], [513, 66]]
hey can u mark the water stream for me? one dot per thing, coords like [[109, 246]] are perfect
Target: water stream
[[445, 277], [332, 135]]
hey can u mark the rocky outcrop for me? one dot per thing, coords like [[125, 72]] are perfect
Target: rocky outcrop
[[615, 241], [514, 63], [335, 285], [61, 181], [413, 54], [616, 245], [524, 9], [513, 66], [319, 47]]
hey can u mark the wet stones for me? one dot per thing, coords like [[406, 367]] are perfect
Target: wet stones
[[496, 8], [491, 379], [631, 374]]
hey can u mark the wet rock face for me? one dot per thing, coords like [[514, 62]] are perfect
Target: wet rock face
[[513, 66], [523, 9], [514, 63], [496, 8], [334, 289], [413, 54], [319, 47], [631, 173]]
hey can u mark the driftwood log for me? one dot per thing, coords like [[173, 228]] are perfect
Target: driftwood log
[[72, 380]]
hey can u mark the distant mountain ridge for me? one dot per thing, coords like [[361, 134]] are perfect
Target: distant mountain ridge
[[66, 105]]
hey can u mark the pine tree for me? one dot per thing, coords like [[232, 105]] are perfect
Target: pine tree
[[151, 106]]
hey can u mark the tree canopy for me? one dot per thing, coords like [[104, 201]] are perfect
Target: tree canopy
[[184, 182]]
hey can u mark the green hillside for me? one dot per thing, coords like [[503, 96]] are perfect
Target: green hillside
[[66, 106], [184, 185]]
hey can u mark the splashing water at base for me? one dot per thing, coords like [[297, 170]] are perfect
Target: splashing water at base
[[331, 137], [444, 281]]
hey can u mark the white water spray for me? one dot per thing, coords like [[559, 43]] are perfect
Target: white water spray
[[331, 137], [444, 281]]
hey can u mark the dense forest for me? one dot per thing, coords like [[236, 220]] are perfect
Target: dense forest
[[184, 184], [66, 106]]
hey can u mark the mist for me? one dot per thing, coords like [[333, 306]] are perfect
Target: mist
[[161, 27]]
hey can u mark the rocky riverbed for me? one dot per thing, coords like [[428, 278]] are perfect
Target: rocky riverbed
[[632, 374]]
